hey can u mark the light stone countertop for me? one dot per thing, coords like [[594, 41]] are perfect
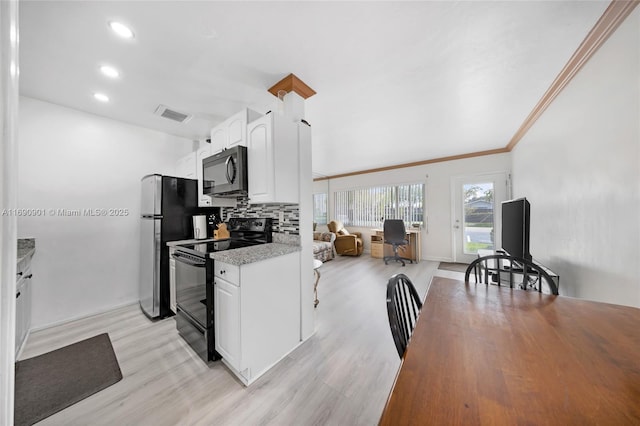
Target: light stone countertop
[[26, 248], [191, 241], [242, 256]]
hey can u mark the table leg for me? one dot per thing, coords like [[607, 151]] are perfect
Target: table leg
[[315, 288]]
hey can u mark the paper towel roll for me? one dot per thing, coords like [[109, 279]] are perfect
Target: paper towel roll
[[200, 227]]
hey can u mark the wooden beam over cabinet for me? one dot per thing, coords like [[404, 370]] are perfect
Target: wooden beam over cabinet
[[291, 83]]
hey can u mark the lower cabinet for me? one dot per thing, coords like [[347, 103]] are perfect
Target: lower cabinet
[[23, 303], [227, 321], [257, 313]]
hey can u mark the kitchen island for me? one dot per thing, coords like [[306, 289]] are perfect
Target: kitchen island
[[256, 307], [239, 303]]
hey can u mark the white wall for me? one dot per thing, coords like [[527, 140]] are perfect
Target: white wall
[[579, 167], [437, 242], [73, 160], [9, 84]]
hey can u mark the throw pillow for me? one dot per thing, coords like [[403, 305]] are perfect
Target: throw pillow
[[343, 232]]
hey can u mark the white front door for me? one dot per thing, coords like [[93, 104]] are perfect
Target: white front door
[[477, 214]]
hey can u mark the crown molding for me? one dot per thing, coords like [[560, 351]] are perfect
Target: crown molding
[[417, 163], [610, 20], [291, 83], [612, 17]]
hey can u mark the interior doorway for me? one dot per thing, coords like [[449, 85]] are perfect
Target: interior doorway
[[477, 214]]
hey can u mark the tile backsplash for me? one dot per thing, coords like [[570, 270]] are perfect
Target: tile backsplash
[[291, 214]]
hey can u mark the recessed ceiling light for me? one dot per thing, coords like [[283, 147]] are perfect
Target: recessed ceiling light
[[101, 97], [121, 29], [109, 71]]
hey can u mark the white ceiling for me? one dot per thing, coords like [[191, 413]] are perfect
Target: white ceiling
[[396, 82]]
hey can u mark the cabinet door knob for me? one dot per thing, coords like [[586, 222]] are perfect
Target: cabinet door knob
[[28, 276], [18, 295], [222, 271], [19, 274]]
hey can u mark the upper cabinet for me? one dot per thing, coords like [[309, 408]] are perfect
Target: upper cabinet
[[232, 131], [201, 154], [218, 138], [272, 157], [190, 166], [186, 166]]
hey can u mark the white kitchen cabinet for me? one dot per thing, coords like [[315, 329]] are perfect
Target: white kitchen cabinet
[[226, 298], [272, 156], [186, 166], [201, 154], [257, 313], [23, 303], [218, 138], [172, 281], [232, 131]]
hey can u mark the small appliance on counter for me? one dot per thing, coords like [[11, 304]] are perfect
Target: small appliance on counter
[[200, 227], [194, 281]]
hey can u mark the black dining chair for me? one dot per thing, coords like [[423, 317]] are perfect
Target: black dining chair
[[403, 308], [523, 273], [396, 235]]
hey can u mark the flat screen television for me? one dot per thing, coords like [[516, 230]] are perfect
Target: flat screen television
[[515, 227]]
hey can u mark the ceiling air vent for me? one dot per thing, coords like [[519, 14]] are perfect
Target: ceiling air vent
[[165, 112]]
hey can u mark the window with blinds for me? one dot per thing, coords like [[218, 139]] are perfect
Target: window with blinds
[[320, 208], [368, 207]]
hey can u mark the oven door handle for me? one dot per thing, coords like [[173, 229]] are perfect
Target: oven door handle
[[189, 260]]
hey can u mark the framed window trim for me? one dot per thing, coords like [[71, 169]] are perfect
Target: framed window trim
[[321, 208]]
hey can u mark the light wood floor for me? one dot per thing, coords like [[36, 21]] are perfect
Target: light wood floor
[[340, 376]]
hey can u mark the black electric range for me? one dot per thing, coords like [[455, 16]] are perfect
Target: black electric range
[[194, 281], [243, 232], [202, 249]]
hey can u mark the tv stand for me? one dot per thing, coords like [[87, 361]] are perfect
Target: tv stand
[[492, 273]]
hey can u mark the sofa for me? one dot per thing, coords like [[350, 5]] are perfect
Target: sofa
[[323, 246], [347, 243]]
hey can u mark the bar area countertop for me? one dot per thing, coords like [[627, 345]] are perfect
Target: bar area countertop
[[244, 255], [26, 248]]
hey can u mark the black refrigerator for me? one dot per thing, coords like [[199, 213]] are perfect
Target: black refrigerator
[[168, 203]]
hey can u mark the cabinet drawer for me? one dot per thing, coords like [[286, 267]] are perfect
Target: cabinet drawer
[[376, 250], [228, 272]]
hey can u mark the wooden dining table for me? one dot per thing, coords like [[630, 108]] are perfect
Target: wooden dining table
[[483, 354]]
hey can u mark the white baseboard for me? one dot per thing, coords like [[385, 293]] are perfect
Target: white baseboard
[[439, 259], [83, 316]]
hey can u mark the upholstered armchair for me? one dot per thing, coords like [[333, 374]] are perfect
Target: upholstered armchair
[[347, 243]]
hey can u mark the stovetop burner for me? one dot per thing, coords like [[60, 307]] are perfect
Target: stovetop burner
[[244, 232]]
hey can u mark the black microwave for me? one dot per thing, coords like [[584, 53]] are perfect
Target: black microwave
[[225, 174]]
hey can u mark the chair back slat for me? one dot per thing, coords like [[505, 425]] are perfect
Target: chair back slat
[[516, 265], [403, 308]]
